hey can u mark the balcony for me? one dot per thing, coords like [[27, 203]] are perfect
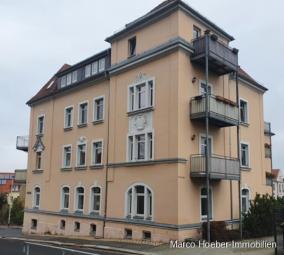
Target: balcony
[[225, 168], [22, 143], [267, 129], [222, 112], [221, 58]]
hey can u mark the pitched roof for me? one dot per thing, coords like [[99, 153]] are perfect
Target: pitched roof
[[164, 9], [244, 75], [49, 87], [275, 172]]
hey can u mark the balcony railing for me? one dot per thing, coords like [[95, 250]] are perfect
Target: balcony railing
[[220, 167], [22, 143], [267, 129], [222, 112], [221, 58]]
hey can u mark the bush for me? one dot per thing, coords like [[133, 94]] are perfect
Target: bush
[[17, 212], [219, 232], [4, 208], [258, 221]]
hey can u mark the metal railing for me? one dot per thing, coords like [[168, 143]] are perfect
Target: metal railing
[[267, 127], [224, 108], [22, 142], [220, 167], [216, 49], [27, 249]]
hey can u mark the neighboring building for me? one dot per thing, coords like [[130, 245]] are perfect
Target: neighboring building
[[19, 186], [6, 182], [117, 141], [278, 183]]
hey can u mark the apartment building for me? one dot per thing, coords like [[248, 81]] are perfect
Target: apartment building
[[277, 183], [118, 144], [6, 182]]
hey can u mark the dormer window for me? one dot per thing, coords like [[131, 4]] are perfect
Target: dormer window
[[68, 79], [132, 46], [196, 32]]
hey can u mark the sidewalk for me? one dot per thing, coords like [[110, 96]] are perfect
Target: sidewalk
[[127, 247]]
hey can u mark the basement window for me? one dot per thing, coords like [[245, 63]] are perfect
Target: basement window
[[128, 233], [146, 235], [77, 226], [34, 224], [132, 46], [93, 229], [62, 224]]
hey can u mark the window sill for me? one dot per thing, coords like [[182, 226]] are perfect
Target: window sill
[[35, 208], [64, 211], [94, 213], [245, 168], [78, 212], [66, 169], [96, 122], [245, 124], [38, 171], [147, 109], [93, 167], [82, 125], [80, 168], [66, 129], [140, 218]]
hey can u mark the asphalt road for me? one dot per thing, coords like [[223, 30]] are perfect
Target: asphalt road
[[15, 247]]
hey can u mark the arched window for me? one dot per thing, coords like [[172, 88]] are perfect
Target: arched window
[[36, 197], [203, 203], [80, 198], [65, 196], [245, 200], [139, 202], [95, 199]]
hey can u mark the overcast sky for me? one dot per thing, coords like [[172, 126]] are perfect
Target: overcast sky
[[37, 37]]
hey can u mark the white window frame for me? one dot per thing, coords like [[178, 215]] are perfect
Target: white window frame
[[202, 135], [77, 153], [92, 150], [72, 116], [43, 124], [246, 101], [74, 76], [101, 68], [247, 201], [146, 215], [91, 202], [204, 217], [36, 163], [88, 67], [63, 81], [95, 117], [68, 79], [62, 197], [79, 112], [34, 197], [245, 143], [209, 85], [195, 28], [134, 156], [95, 70], [76, 200], [134, 87], [64, 157]]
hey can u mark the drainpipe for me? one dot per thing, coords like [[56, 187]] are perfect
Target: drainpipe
[[207, 165], [238, 147]]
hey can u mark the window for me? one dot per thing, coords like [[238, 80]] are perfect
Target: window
[[132, 46], [63, 81], [68, 119], [65, 196], [141, 96], [203, 146], [69, 79], [77, 226], [80, 198], [99, 109], [203, 202], [203, 88], [245, 200], [93, 229], [267, 150], [146, 235], [87, 71], [128, 233], [243, 111], [74, 76], [102, 63], [67, 154], [34, 224], [196, 32], [95, 68], [139, 202], [38, 160], [97, 153], [140, 147], [62, 224], [40, 125], [81, 155], [95, 199], [244, 155], [36, 197], [83, 113]]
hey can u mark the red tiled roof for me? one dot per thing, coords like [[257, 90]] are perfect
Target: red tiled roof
[[275, 172], [49, 87]]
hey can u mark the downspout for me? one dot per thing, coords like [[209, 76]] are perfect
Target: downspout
[[207, 165], [107, 163]]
